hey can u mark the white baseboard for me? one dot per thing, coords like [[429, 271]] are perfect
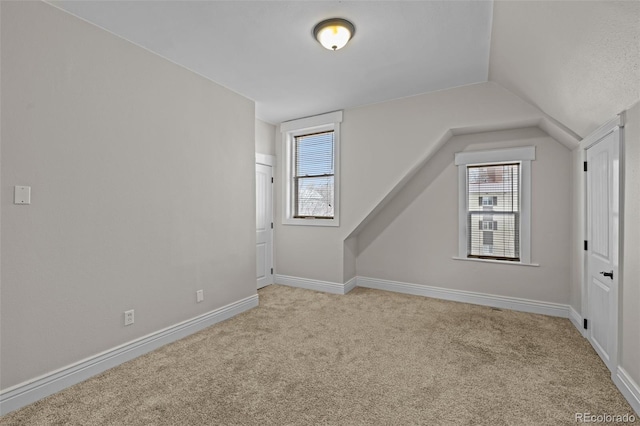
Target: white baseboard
[[629, 389], [317, 285], [25, 393], [350, 285], [503, 302], [576, 320]]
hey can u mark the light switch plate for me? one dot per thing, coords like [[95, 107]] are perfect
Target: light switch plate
[[22, 195]]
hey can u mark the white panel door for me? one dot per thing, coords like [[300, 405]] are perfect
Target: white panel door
[[603, 183], [264, 223]]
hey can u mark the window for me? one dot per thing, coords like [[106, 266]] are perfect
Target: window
[[488, 225], [488, 201], [311, 172], [499, 186], [494, 204], [313, 176]]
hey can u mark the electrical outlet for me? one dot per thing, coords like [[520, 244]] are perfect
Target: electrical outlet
[[199, 296], [128, 317]]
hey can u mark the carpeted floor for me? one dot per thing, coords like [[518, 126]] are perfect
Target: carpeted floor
[[370, 357]]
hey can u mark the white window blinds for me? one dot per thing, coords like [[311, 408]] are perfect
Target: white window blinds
[[314, 176], [493, 212]]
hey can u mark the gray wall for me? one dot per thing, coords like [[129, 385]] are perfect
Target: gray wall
[[142, 177], [265, 138], [380, 144], [415, 243], [630, 316]]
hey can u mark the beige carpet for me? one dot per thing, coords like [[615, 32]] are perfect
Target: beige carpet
[[370, 357]]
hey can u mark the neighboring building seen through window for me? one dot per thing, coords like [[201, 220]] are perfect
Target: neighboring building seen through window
[[493, 216], [314, 175]]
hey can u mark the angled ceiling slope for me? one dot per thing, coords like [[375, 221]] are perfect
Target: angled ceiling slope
[[265, 50], [578, 61]]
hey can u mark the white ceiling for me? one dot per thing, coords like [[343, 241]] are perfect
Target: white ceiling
[[265, 51]]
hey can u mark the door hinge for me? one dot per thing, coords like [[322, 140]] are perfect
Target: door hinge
[[271, 225], [586, 245], [271, 180], [271, 271], [585, 323], [585, 166]]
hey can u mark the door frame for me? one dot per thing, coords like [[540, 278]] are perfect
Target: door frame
[[270, 160], [616, 124]]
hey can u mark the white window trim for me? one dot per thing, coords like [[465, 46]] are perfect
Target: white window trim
[[522, 155], [291, 129]]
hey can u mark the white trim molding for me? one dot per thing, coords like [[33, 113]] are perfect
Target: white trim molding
[[311, 122], [350, 285], [499, 262], [523, 155], [629, 389], [495, 301], [267, 160], [503, 302], [25, 393], [577, 321], [317, 285], [502, 155], [559, 132], [615, 123]]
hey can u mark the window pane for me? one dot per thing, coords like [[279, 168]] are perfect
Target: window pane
[[315, 196], [314, 175], [314, 154], [493, 211]]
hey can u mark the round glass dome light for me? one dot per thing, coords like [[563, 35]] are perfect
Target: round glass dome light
[[334, 33]]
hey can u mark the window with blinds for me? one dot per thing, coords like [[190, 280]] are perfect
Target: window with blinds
[[493, 211], [314, 173]]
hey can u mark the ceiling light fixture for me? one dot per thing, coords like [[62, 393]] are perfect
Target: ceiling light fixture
[[334, 33]]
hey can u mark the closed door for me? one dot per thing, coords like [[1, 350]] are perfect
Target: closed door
[[264, 225], [603, 184]]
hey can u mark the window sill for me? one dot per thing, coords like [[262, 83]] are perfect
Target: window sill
[[311, 222], [501, 262]]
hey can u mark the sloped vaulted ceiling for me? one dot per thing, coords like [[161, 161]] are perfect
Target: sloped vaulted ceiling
[[578, 61], [265, 50]]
